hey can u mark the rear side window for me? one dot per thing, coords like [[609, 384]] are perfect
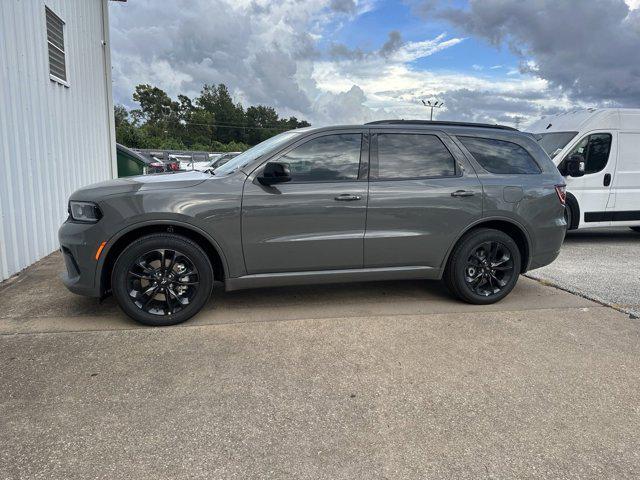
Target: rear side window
[[498, 156], [403, 155], [325, 159]]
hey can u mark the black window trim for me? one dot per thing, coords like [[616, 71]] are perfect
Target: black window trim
[[373, 169], [363, 166], [479, 165]]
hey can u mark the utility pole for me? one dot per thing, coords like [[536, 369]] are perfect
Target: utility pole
[[433, 104], [518, 122]]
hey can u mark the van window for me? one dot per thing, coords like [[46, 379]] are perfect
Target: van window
[[554, 142], [325, 159], [499, 156], [405, 155], [595, 149]]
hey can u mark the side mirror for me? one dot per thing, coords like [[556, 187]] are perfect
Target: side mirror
[[275, 173], [575, 166]]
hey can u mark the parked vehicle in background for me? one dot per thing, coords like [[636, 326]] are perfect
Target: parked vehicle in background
[[598, 151], [131, 163], [475, 205]]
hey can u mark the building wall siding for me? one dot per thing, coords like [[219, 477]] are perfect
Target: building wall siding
[[53, 139]]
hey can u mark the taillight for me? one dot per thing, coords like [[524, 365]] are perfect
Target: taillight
[[561, 190]]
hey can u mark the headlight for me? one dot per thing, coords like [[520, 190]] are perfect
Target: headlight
[[84, 211]]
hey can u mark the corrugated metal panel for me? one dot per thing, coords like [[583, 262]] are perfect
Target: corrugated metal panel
[[53, 138]]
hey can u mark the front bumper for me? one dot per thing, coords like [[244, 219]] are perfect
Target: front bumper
[[78, 244]]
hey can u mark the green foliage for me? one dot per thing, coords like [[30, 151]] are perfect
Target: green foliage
[[210, 122]]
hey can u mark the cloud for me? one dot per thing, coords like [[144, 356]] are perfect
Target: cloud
[[343, 6], [392, 45], [591, 52], [277, 54]]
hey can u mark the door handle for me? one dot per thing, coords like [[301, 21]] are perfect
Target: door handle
[[607, 180], [463, 193], [346, 197]]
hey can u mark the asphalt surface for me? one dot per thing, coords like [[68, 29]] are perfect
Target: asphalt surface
[[603, 265], [381, 380]]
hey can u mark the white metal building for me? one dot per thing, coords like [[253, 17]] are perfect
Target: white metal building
[[56, 118]]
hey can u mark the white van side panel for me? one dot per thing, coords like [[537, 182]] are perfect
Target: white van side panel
[[630, 120], [626, 181]]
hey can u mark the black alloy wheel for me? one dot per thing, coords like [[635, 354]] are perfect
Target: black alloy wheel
[[162, 279], [489, 268], [483, 267]]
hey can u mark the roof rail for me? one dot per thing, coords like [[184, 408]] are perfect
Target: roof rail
[[441, 123]]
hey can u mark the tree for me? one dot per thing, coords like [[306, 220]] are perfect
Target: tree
[[230, 118], [212, 121]]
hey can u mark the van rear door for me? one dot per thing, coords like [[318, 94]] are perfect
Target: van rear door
[[625, 195]]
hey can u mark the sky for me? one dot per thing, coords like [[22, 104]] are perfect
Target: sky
[[352, 61]]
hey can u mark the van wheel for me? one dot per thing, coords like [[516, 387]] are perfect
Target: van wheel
[[635, 229], [162, 279], [483, 267], [568, 216]]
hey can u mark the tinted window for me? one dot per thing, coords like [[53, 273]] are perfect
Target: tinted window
[[411, 156], [595, 149], [554, 142], [498, 156], [324, 159]]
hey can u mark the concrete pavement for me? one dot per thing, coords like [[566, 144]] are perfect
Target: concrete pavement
[[601, 264], [380, 380]]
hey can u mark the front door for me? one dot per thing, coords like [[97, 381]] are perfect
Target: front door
[[316, 221], [422, 194], [593, 190]]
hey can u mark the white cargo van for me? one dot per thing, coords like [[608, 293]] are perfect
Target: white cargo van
[[598, 152]]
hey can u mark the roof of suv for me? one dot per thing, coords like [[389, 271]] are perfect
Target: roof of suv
[[437, 123]]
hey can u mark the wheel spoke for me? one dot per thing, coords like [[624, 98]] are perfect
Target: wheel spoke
[[173, 261], [166, 299], [142, 277], [151, 296], [493, 251]]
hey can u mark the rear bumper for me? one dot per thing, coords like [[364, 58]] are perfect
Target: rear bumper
[[78, 244], [543, 259]]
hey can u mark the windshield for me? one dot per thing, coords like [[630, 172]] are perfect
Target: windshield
[[554, 142], [250, 155]]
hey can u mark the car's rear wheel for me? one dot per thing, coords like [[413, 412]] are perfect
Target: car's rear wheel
[[635, 229], [483, 267], [162, 279]]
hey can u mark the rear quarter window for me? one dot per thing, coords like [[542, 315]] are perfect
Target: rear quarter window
[[500, 156]]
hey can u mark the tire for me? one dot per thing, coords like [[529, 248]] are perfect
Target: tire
[[568, 216], [465, 272], [635, 229], [155, 296]]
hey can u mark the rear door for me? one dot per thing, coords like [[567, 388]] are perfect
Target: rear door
[[593, 190], [624, 208], [422, 195], [316, 221]]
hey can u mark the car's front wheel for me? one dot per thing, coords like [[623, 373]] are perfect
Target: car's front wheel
[[162, 279], [483, 267]]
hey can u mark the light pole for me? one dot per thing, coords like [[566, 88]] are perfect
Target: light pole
[[432, 104]]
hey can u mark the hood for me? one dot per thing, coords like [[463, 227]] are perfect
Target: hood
[[159, 181]]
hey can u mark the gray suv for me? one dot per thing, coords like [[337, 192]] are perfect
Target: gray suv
[[474, 205]]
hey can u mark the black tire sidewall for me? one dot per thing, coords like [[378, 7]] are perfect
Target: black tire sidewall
[[459, 263], [568, 216], [160, 241]]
